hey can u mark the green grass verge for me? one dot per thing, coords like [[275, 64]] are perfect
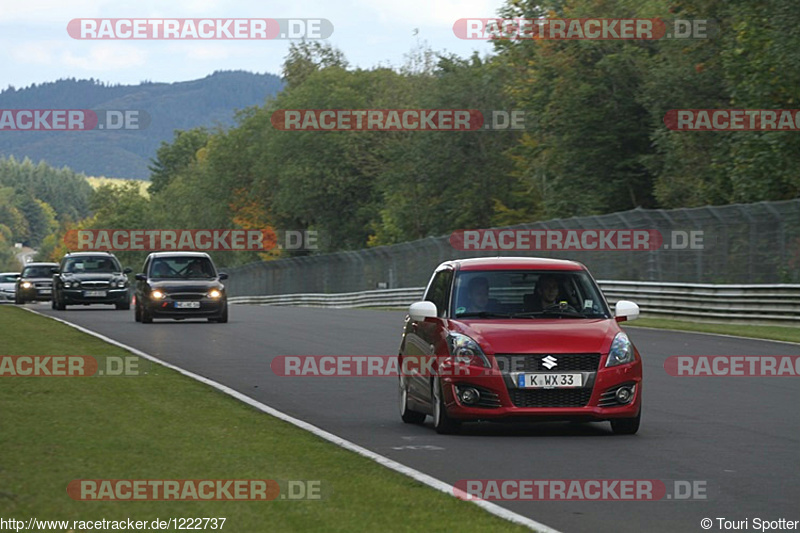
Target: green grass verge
[[776, 333], [163, 425]]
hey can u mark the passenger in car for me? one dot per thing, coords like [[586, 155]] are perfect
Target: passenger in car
[[478, 291]]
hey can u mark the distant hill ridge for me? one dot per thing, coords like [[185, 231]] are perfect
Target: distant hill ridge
[[181, 105]]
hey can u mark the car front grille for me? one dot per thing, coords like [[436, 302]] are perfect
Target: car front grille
[[43, 284], [564, 362], [92, 285], [186, 295], [578, 397]]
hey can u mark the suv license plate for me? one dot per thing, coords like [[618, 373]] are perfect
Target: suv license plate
[[101, 294]]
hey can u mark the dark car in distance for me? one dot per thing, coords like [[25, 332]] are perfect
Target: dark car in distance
[[85, 278], [180, 285], [35, 283]]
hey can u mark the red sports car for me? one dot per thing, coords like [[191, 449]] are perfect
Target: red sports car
[[518, 339]]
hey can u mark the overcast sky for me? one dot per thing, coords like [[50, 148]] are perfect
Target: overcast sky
[[36, 47]]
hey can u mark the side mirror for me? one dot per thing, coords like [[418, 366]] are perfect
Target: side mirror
[[127, 270], [625, 310], [223, 276], [141, 277], [419, 311]]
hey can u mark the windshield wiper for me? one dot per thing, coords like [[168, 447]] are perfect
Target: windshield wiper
[[483, 314], [557, 312]]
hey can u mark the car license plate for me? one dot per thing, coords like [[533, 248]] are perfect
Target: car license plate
[[187, 305], [101, 294], [549, 381], [45, 291]]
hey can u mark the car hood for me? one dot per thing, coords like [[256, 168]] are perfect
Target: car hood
[[559, 335], [38, 280], [185, 285], [8, 286]]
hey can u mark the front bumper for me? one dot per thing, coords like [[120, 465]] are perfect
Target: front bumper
[[6, 296], [42, 294], [504, 401], [79, 296], [166, 308]]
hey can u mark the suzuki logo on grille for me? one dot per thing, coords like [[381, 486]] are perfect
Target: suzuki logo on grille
[[549, 362]]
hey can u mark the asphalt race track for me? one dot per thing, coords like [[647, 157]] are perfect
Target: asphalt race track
[[739, 435]]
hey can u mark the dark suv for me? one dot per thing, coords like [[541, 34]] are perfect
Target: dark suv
[[180, 285], [85, 278]]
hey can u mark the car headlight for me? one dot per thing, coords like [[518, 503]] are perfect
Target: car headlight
[[158, 295], [621, 351], [27, 284], [121, 283], [74, 284], [214, 293], [465, 350]]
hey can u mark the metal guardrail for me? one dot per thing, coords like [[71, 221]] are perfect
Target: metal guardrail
[[733, 304]]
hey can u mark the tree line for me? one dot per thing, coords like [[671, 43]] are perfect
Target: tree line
[[595, 141]]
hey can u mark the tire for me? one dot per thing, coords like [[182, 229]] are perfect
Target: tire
[[222, 318], [147, 317], [125, 306], [408, 416], [626, 426], [58, 304], [443, 424], [137, 313], [18, 300]]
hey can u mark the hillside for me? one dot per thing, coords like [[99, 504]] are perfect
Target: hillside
[[210, 101]]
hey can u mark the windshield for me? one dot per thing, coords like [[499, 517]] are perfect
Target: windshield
[[527, 294], [8, 278], [91, 264], [37, 271], [182, 268]]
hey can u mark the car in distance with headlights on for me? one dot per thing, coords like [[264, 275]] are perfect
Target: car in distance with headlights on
[[527, 339], [35, 283], [85, 278], [8, 286], [180, 285]]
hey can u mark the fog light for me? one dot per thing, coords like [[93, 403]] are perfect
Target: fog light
[[469, 396], [624, 394]]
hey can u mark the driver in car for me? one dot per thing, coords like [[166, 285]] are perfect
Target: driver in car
[[478, 291], [546, 293]]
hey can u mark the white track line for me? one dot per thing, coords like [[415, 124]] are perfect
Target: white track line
[[330, 437]]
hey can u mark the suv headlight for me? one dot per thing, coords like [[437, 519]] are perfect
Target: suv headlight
[[465, 350], [158, 295], [621, 351], [73, 284], [121, 283], [214, 294], [27, 284]]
